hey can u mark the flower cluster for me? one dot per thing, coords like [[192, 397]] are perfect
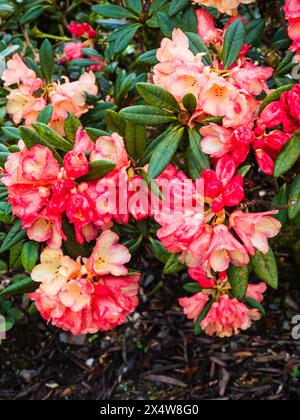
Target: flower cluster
[[74, 50], [29, 95], [222, 235], [89, 295], [292, 11], [224, 6]]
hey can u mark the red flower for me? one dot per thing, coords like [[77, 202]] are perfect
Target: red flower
[[223, 187]]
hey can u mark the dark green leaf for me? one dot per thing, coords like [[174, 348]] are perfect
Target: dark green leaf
[[46, 114], [147, 115], [198, 46], [238, 278], [164, 152], [115, 122], [158, 97], [29, 255], [47, 60], [173, 265], [19, 288], [114, 12], [15, 235], [51, 137], [233, 43], [265, 267], [294, 198], [135, 140], [98, 170], [288, 156]]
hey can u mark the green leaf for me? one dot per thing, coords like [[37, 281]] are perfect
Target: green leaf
[[115, 122], [147, 115], [158, 97], [200, 158], [19, 288], [46, 114], [192, 287], [177, 5], [244, 170], [197, 328], [254, 304], [159, 251], [157, 5], [98, 170], [135, 6], [121, 38], [70, 127], [51, 137], [47, 60], [15, 235], [164, 152], [135, 140], [288, 156], [114, 12], [166, 25], [15, 261], [173, 265], [239, 278], [152, 185], [5, 212], [274, 96], [30, 255], [3, 158], [190, 103], [265, 267], [233, 43], [198, 46], [294, 198], [152, 146], [94, 133], [148, 57], [134, 244], [282, 198], [11, 133], [254, 30]]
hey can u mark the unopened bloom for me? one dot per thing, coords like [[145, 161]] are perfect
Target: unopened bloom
[[82, 30], [255, 229], [256, 291], [223, 187]]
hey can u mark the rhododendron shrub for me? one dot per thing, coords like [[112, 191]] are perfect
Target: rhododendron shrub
[[168, 128]]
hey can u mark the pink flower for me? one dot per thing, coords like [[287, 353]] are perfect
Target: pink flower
[[83, 143], [36, 166], [194, 305], [80, 210], [111, 148], [252, 78], [108, 256], [224, 250], [292, 9], [217, 140], [46, 227], [76, 164], [228, 317], [199, 275], [223, 188], [73, 51], [256, 291], [220, 98], [17, 72], [206, 26], [255, 229]]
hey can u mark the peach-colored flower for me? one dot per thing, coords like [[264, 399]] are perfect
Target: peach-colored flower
[[255, 229], [224, 6], [17, 72], [217, 140], [252, 78], [69, 97], [109, 256], [111, 148], [54, 271]]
